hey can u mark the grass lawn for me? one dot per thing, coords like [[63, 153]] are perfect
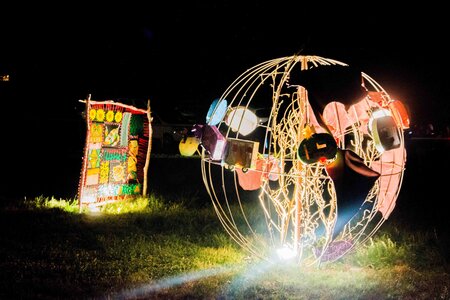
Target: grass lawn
[[156, 249]]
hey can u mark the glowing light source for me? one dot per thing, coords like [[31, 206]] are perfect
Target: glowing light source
[[94, 208], [216, 111], [400, 113], [286, 253], [378, 113], [242, 120], [241, 153], [384, 130], [213, 142], [317, 147], [189, 145]]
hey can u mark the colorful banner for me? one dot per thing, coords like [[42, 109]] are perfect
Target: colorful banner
[[115, 153]]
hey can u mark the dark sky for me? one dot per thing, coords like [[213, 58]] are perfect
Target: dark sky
[[190, 52]]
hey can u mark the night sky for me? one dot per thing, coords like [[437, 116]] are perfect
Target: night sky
[[188, 54], [191, 52]]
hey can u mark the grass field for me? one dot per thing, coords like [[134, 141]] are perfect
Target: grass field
[[172, 246], [156, 248]]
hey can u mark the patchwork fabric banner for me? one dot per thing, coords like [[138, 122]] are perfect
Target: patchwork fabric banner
[[115, 157]]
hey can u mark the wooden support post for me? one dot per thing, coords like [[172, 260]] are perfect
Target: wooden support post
[[149, 148], [86, 149]]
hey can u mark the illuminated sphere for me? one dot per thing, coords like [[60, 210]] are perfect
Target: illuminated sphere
[[318, 175]]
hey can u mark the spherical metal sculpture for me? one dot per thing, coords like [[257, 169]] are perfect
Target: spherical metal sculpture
[[316, 177]]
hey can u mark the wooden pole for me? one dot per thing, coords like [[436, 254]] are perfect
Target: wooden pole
[[149, 147], [86, 149]]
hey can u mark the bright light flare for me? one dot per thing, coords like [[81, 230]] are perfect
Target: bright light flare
[[242, 120], [94, 209], [286, 253], [154, 287]]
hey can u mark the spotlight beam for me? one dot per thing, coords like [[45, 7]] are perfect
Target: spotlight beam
[[151, 288]]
